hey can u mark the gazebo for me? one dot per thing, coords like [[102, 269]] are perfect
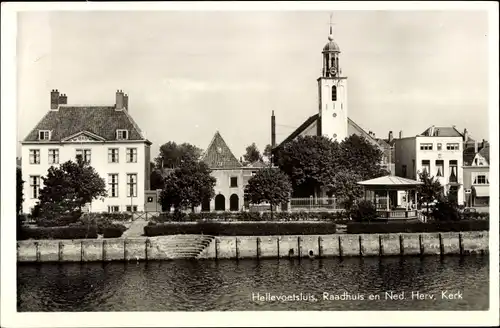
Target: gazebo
[[383, 191]]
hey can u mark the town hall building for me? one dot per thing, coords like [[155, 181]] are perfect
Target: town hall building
[[106, 137]]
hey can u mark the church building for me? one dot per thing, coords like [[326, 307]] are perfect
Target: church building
[[332, 119]]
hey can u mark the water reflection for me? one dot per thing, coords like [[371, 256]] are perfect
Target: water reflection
[[207, 285]]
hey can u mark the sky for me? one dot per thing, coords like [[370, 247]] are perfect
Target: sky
[[189, 74]]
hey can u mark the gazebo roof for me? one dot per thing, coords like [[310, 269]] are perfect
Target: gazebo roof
[[390, 181]]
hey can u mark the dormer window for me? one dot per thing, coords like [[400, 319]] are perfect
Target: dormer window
[[121, 134], [43, 135]]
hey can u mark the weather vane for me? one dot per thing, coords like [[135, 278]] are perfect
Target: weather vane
[[331, 24]]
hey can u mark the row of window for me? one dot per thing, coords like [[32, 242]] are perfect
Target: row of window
[[426, 166], [481, 179], [44, 135], [113, 185], [116, 208], [86, 154], [449, 146]]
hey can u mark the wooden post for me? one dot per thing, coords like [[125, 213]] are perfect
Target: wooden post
[[320, 247], [341, 251], [387, 205], [37, 251], [82, 252], [104, 243], [59, 251], [237, 248], [401, 244], [258, 247], [380, 246], [361, 249]]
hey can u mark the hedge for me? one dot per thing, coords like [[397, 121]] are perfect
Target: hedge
[[433, 226], [241, 229], [107, 216], [338, 217], [475, 216], [73, 232], [112, 230]]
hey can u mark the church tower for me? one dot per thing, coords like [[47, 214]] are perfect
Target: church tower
[[332, 87]]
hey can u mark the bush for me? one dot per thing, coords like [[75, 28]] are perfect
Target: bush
[[364, 211], [112, 230], [240, 229], [446, 211], [433, 226], [74, 232]]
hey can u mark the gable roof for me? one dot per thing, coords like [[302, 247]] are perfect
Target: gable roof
[[102, 121], [485, 152], [468, 156], [441, 132], [218, 155]]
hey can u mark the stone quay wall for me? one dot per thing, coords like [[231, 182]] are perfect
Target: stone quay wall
[[241, 247]]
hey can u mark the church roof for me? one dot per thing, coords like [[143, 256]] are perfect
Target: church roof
[[353, 128], [102, 121], [300, 129], [219, 156]]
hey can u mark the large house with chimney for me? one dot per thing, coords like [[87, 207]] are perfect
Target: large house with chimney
[[437, 150], [332, 120], [106, 137]]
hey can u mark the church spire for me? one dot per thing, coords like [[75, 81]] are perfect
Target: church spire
[[331, 24]]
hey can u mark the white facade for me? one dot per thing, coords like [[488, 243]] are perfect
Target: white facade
[[333, 107], [100, 161], [441, 156]]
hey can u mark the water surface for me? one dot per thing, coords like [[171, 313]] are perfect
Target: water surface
[[206, 285]]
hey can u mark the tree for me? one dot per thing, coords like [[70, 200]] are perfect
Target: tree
[[68, 188], [344, 185], [187, 186], [360, 156], [268, 153], [268, 185], [310, 162], [155, 178], [252, 154], [173, 155], [431, 189], [20, 194]]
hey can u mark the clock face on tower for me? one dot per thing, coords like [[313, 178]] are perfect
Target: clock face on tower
[[333, 71]]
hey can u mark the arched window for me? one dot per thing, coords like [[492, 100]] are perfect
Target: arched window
[[334, 93], [234, 202], [220, 203]]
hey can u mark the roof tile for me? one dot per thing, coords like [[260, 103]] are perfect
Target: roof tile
[[100, 120], [218, 155]]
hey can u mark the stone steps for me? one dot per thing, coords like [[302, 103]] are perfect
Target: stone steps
[[184, 246]]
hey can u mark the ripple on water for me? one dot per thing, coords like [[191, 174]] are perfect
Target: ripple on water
[[227, 285]]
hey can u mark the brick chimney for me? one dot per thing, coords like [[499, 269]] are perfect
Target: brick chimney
[[54, 99], [119, 100], [466, 135], [400, 134], [391, 137], [125, 101], [475, 147], [273, 130], [63, 99]]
